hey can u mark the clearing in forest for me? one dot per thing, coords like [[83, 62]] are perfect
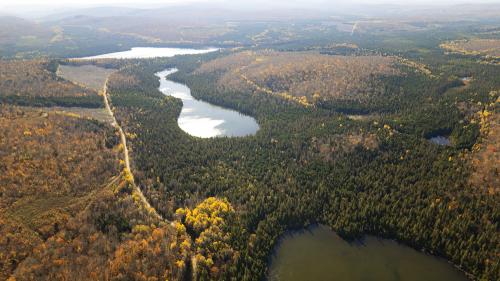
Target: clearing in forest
[[33, 79], [90, 76]]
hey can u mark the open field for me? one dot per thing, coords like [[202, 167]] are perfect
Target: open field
[[89, 76], [99, 114]]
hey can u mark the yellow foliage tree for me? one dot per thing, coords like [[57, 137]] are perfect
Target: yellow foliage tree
[[208, 221]]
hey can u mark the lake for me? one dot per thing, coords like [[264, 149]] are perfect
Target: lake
[[319, 254], [197, 118], [202, 119], [150, 52]]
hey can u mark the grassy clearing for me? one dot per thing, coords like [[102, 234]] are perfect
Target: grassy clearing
[[89, 76], [99, 114]]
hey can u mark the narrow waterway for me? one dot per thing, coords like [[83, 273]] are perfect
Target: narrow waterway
[[197, 118], [202, 119]]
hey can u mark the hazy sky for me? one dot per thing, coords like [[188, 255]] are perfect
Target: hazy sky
[[59, 3], [39, 8]]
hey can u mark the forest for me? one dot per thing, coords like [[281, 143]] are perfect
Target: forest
[[304, 77], [67, 207], [346, 108], [314, 164], [485, 47], [35, 83]]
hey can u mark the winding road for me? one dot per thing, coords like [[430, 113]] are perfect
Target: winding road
[[137, 189]]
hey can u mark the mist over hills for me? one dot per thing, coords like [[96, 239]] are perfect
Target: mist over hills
[[67, 29], [262, 10], [191, 140]]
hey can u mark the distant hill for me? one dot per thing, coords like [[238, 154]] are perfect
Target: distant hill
[[15, 30], [105, 11], [262, 10]]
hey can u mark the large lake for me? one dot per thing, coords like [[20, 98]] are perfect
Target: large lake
[[202, 119], [319, 254], [197, 118], [149, 52]]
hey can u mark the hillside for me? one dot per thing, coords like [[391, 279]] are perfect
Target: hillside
[[66, 209], [31, 82], [374, 174], [25, 33], [485, 47], [52, 165], [306, 77], [377, 125]]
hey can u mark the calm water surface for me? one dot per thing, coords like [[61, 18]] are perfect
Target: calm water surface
[[197, 118], [321, 255], [149, 52], [441, 140], [202, 119]]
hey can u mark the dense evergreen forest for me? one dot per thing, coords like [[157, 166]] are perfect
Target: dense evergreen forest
[[376, 175]]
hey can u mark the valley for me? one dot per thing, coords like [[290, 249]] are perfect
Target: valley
[[248, 144]]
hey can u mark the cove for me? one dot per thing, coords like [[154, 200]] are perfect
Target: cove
[[317, 253], [202, 119]]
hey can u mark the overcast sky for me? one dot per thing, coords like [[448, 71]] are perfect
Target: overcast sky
[[6, 3], [35, 9]]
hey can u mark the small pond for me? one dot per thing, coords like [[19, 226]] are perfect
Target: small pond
[[441, 140]]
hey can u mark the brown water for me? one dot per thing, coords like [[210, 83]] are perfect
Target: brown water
[[318, 254]]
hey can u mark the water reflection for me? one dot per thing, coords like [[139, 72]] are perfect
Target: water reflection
[[320, 254], [441, 140], [147, 52], [202, 119]]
